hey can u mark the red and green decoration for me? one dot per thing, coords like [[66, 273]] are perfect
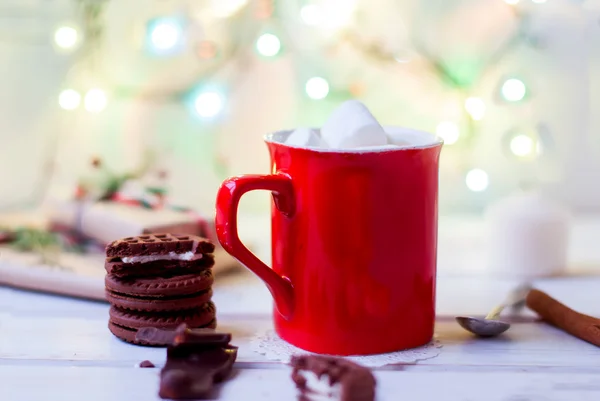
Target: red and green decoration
[[110, 189], [45, 243]]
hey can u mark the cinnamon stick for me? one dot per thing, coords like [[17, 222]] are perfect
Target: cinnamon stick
[[555, 313]]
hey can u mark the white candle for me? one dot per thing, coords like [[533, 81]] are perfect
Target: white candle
[[527, 235]]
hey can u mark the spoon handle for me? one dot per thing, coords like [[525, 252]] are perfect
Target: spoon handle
[[555, 313], [494, 313]]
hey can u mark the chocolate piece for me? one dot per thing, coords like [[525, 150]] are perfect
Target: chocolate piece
[[146, 364], [158, 244], [354, 382], [116, 267], [130, 335], [195, 362], [154, 336], [183, 335], [206, 337]]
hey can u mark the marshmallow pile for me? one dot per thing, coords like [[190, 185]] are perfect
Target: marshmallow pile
[[351, 126]]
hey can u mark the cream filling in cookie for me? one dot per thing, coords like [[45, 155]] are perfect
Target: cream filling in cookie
[[319, 388], [170, 256]]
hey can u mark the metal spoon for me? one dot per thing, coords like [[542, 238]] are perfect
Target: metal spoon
[[490, 326]]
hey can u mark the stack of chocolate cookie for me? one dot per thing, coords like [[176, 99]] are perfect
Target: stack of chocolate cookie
[[159, 280]]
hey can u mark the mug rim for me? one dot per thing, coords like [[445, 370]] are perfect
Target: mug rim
[[436, 141]]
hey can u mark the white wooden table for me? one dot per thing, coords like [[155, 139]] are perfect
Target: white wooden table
[[55, 348]]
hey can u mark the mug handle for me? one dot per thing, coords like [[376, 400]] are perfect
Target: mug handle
[[228, 199]]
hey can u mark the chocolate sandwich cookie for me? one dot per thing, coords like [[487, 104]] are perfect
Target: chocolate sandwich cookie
[[159, 254], [125, 324], [145, 248], [159, 293]]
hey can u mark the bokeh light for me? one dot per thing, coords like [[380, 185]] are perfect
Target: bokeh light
[[513, 90], [268, 45], [66, 37], [475, 107], [165, 34], [317, 88], [209, 104], [522, 145], [448, 131], [477, 180], [69, 99]]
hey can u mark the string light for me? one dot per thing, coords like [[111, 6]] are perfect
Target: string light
[[69, 99], [477, 180], [165, 34], [268, 45], [209, 104], [311, 14], [95, 100], [513, 90], [522, 145], [448, 131], [317, 88], [66, 37], [475, 107]]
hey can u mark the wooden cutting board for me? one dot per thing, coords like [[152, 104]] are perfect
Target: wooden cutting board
[[80, 276]]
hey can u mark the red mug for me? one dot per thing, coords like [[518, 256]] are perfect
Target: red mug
[[354, 243]]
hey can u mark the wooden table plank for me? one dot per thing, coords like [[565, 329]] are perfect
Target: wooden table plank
[[26, 383], [243, 293], [84, 337]]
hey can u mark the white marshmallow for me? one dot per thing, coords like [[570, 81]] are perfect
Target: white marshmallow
[[305, 138], [382, 148], [352, 126]]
